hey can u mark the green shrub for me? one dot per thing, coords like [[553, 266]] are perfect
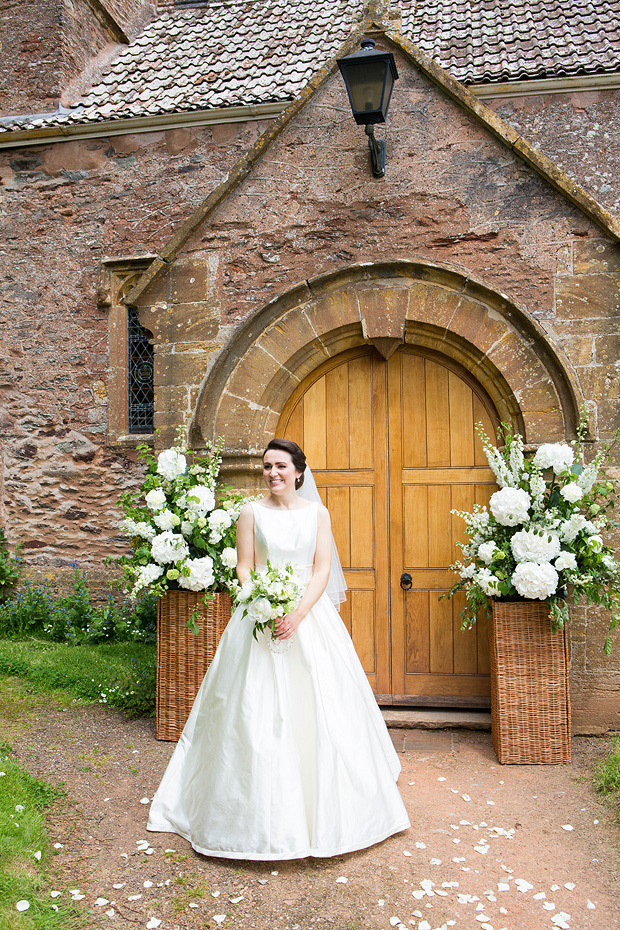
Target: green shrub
[[10, 567], [607, 774]]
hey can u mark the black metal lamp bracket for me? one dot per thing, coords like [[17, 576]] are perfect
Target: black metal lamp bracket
[[377, 152]]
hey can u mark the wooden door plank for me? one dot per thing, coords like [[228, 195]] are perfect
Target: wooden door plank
[[362, 528], [441, 636], [337, 417], [339, 508], [295, 427], [481, 415], [466, 642], [415, 527], [360, 373], [459, 475], [413, 404], [363, 628], [397, 532], [462, 499], [461, 421], [418, 631], [439, 519], [381, 523], [449, 685], [437, 414], [315, 433]]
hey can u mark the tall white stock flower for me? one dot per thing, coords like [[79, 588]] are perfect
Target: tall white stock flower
[[556, 455], [486, 552], [537, 489], [487, 581], [498, 466], [572, 527], [516, 459], [533, 546], [566, 561], [155, 499], [229, 557], [588, 476], [171, 464], [200, 574], [143, 529], [200, 499], [467, 571], [572, 492], [535, 580], [510, 506], [166, 519], [169, 547]]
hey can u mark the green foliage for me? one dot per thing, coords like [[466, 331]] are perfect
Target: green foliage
[[117, 674], [73, 618], [607, 775], [26, 853], [10, 567]]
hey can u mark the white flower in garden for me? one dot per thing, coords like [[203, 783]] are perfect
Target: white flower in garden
[[200, 574], [572, 527], [171, 464], [219, 520], [200, 499], [260, 610], [537, 489], [187, 528], [169, 547], [535, 580], [486, 552], [595, 543], [467, 571], [147, 575], [566, 561], [588, 476], [556, 455], [533, 546], [487, 581], [245, 592], [610, 563], [155, 499], [166, 519], [572, 492], [143, 529], [229, 557], [510, 506]]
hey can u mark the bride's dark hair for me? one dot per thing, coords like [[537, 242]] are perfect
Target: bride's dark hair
[[295, 452]]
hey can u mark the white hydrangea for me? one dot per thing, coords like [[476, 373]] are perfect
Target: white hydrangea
[[187, 527], [572, 492], [535, 580], [200, 499], [229, 557], [147, 575], [487, 581], [171, 464], [155, 499], [169, 547], [486, 552], [572, 527], [219, 520], [143, 529], [166, 519], [566, 561], [556, 455], [510, 506], [200, 576], [533, 546]]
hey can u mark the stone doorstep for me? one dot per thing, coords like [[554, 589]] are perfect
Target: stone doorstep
[[422, 719]]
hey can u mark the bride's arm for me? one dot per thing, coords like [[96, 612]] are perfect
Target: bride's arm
[[245, 543], [318, 582]]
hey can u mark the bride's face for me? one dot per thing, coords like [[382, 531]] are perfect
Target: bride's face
[[279, 472]]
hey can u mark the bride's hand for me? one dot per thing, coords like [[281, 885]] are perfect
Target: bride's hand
[[286, 626]]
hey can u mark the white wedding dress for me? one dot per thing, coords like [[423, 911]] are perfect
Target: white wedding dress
[[283, 756]]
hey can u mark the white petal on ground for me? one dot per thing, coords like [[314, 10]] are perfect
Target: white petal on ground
[[522, 885], [435, 861], [482, 917], [134, 897], [342, 880], [119, 885], [274, 873], [481, 849], [148, 883], [503, 886], [427, 885], [561, 920], [215, 894], [420, 845], [549, 906], [54, 907], [503, 910], [219, 918], [381, 902], [193, 905], [569, 885], [567, 826], [424, 925], [441, 778], [110, 913], [145, 801], [240, 898], [78, 897], [263, 881], [101, 901], [22, 905], [153, 922], [55, 894], [37, 855], [406, 852], [540, 896], [591, 907], [466, 797], [394, 921], [58, 846], [555, 887]]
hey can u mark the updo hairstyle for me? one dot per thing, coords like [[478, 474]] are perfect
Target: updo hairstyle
[[295, 452]]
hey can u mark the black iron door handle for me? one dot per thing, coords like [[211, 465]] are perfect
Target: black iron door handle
[[406, 581]]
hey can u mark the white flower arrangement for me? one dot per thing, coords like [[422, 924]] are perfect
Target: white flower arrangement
[[179, 537], [541, 537], [269, 594]]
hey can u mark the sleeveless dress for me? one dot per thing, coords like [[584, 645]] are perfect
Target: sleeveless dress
[[283, 755]]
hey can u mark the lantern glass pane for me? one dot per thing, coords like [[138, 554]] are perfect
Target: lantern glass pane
[[365, 82]]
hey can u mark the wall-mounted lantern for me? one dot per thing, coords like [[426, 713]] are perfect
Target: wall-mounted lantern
[[369, 78]]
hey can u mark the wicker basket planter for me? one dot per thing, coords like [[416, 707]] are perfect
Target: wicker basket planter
[[530, 700], [184, 657]]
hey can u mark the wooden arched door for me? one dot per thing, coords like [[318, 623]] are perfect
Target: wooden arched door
[[393, 448]]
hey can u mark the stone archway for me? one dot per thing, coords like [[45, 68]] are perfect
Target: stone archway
[[386, 304]]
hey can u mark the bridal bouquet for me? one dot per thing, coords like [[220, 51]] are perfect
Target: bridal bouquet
[[181, 525], [267, 595], [542, 535]]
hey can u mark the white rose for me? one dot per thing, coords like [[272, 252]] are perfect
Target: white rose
[[486, 552], [566, 561], [200, 499], [166, 519], [155, 499], [260, 610], [229, 557], [572, 492], [215, 538], [200, 574], [487, 581], [535, 580], [595, 543], [169, 547], [556, 455], [171, 464], [245, 592], [510, 506], [534, 546]]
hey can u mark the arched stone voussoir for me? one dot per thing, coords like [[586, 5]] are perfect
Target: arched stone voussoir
[[443, 308]]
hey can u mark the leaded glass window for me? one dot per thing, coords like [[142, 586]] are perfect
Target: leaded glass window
[[140, 376]]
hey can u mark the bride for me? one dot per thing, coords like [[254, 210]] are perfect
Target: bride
[[284, 755]]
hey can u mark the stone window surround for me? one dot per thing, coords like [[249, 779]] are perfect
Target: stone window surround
[[117, 277]]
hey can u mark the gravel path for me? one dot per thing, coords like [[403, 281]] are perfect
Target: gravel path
[[491, 847]]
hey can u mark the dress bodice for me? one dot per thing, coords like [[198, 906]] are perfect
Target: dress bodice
[[282, 536]]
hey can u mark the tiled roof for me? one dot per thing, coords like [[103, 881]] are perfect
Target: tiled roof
[[230, 53]]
